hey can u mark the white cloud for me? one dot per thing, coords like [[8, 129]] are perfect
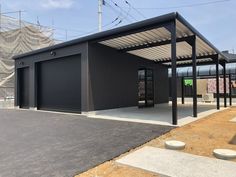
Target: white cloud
[[57, 4]]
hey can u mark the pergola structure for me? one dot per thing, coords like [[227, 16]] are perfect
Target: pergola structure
[[168, 40], [171, 41], [222, 73], [208, 71]]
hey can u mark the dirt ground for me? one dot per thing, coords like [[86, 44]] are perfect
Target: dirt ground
[[201, 137]]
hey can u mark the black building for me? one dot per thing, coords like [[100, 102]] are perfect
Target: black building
[[122, 67]]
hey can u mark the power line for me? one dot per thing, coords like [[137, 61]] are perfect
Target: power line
[[6, 15], [116, 19], [114, 10], [45, 29], [121, 20], [139, 12], [118, 12], [128, 13], [183, 6], [95, 30], [12, 12], [124, 11], [43, 26]]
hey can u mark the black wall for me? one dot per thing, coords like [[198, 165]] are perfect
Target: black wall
[[35, 60], [179, 87], [114, 78], [109, 78]]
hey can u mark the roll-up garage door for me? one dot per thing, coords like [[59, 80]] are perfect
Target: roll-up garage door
[[59, 84]]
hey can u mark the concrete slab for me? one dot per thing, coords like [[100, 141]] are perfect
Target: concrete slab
[[189, 100], [160, 114], [178, 164]]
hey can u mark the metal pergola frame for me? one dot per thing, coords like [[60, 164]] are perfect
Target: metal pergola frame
[[207, 77], [168, 22], [217, 75], [191, 40]]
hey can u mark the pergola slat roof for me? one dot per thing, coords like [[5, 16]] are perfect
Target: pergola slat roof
[[155, 43]]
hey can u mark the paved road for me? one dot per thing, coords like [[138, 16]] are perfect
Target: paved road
[[43, 144]]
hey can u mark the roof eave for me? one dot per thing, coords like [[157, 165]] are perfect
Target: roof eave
[[196, 32], [103, 34]]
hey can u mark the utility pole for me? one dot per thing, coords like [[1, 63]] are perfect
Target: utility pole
[[100, 3]]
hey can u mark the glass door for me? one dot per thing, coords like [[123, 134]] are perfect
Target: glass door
[[145, 88], [149, 88], [141, 88]]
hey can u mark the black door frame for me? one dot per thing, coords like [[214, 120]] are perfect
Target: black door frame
[[153, 91]]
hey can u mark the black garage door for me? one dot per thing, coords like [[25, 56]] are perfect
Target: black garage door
[[59, 84], [24, 87]]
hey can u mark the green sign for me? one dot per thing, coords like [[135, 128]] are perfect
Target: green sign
[[188, 82]]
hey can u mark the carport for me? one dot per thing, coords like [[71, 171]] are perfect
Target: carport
[[171, 41], [160, 42]]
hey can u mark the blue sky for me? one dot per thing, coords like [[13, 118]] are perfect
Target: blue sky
[[216, 21]]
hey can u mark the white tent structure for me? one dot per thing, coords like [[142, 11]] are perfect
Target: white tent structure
[[17, 37]]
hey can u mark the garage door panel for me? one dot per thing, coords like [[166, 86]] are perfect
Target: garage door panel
[[60, 84]]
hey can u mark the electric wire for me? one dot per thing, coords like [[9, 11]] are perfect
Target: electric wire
[[139, 12], [124, 11], [119, 12], [121, 20], [183, 6]]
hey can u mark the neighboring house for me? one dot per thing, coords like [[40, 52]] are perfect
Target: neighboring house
[[122, 67]]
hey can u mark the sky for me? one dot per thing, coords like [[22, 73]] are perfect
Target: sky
[[215, 19]]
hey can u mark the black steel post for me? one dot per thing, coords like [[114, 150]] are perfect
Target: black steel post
[[217, 84], [174, 75], [224, 74], [230, 90], [183, 90], [194, 73]]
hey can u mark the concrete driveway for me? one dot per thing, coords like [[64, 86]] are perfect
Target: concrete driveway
[[43, 144]]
